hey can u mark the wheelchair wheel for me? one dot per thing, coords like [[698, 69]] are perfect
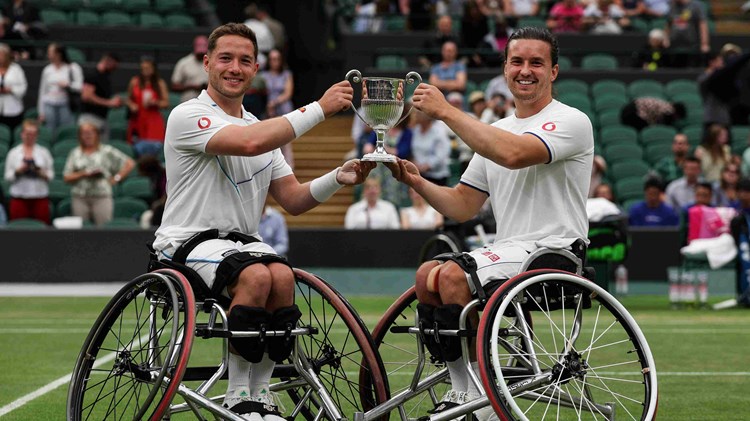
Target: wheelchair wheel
[[340, 350], [400, 357], [133, 360], [585, 358]]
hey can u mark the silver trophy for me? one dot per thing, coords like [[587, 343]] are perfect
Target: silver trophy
[[382, 105]]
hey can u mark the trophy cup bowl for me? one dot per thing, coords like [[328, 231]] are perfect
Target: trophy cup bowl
[[381, 107]]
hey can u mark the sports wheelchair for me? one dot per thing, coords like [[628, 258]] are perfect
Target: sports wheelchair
[[134, 362], [550, 344]]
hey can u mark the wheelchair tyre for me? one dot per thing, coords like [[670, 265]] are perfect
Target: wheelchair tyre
[[607, 373], [135, 355], [342, 346], [399, 354]]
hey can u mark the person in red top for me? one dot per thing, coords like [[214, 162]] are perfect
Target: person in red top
[[565, 16], [147, 96]]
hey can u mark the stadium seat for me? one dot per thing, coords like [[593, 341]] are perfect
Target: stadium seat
[[135, 6], [122, 223], [740, 134], [395, 23], [76, 55], [599, 61], [53, 16], [104, 5], [622, 152], [690, 100], [606, 102], [657, 133], [657, 151], [571, 85], [646, 88], [391, 62], [122, 146], [4, 148], [118, 130], [657, 23], [87, 18], [618, 135], [169, 6], [576, 100], [609, 118], [31, 113], [59, 165], [116, 18], [150, 20], [26, 223], [5, 134], [58, 190], [564, 63], [531, 21], [129, 207], [117, 116], [179, 20], [63, 208], [629, 188], [632, 168], [608, 87], [136, 186], [69, 131], [694, 134], [681, 86], [69, 5], [639, 25], [62, 148]]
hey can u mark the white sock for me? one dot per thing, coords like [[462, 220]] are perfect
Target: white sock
[[473, 391], [260, 375], [459, 377], [239, 368]]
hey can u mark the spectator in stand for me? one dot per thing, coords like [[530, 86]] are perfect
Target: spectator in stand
[[687, 33], [21, 21], [273, 231], [645, 111], [634, 8], [13, 87], [652, 211], [369, 16], [725, 87], [450, 74], [515, 9], [726, 188], [703, 219], [97, 96], [274, 26], [92, 169], [431, 149], [498, 107], [681, 192], [420, 215], [491, 50], [565, 16], [605, 17], [598, 169], [653, 56], [397, 142], [372, 212], [28, 169], [474, 25], [280, 88], [60, 78], [714, 152], [189, 77], [670, 167], [418, 13], [497, 85], [150, 167], [656, 8], [147, 96], [434, 44], [477, 104], [261, 29], [604, 191]]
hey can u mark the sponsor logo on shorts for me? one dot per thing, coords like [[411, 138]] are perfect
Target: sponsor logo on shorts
[[550, 126], [204, 123], [490, 255], [229, 253]]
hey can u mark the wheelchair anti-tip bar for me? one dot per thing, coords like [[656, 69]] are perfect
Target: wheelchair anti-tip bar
[[207, 332]]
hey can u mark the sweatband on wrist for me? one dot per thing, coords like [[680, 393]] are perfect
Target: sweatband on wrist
[[305, 118], [323, 187]]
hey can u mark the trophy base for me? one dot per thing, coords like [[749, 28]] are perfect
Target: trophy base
[[379, 157]]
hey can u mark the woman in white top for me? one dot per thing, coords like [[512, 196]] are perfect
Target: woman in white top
[[58, 77], [420, 215], [12, 89]]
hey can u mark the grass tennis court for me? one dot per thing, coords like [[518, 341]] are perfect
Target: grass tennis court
[[701, 355]]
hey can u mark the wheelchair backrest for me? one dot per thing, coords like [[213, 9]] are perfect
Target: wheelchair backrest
[[546, 258]]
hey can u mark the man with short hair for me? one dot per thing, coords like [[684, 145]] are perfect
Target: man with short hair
[[535, 168], [652, 211], [670, 167], [222, 163], [188, 76], [681, 192], [98, 97]]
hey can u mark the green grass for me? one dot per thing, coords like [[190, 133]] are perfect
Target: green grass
[[701, 355]]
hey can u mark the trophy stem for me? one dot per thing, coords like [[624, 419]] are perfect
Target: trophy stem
[[379, 154], [380, 142]]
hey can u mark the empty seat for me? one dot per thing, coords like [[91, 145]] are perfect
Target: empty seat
[[655, 152], [69, 131], [608, 86], [169, 6], [694, 134], [136, 186], [116, 18], [179, 20], [622, 152], [58, 190], [76, 55], [135, 6], [129, 207], [681, 86], [62, 148], [632, 168], [53, 16], [531, 21], [571, 85], [150, 20], [646, 88], [575, 100], [87, 18], [609, 118], [618, 135], [657, 133], [599, 61], [26, 223], [122, 146], [606, 102], [629, 188], [564, 63], [391, 62]]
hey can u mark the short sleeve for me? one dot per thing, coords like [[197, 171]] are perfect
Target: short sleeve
[[192, 125], [565, 134], [475, 175]]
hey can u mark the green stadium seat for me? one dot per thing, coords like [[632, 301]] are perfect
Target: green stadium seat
[[608, 87], [117, 116], [608, 102], [62, 148], [31, 113], [531, 21], [618, 135], [137, 187], [391, 62], [694, 134], [577, 100], [629, 188], [564, 63], [6, 136], [116, 18], [122, 146], [646, 88], [639, 25], [4, 148], [609, 118], [26, 223], [135, 6], [681, 86], [571, 85], [69, 5], [658, 23], [87, 18], [657, 151], [76, 55], [168, 6], [129, 207], [122, 223], [599, 61], [179, 20], [69, 131], [63, 208], [59, 165], [740, 134], [54, 16], [622, 152], [690, 100], [150, 20], [118, 130], [395, 23], [632, 168], [104, 5], [657, 133], [58, 190]]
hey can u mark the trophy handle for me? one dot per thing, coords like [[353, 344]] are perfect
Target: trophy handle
[[411, 77], [354, 76]]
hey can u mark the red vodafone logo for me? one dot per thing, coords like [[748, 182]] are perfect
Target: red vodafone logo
[[550, 127], [204, 123]]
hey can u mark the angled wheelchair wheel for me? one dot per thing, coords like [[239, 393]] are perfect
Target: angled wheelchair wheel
[[584, 358], [133, 360], [340, 350], [399, 353]]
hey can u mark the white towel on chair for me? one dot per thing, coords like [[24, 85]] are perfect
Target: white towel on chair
[[718, 250]]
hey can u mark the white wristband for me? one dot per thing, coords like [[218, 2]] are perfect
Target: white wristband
[[323, 187], [305, 118]]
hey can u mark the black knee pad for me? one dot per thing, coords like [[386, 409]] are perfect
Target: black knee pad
[[427, 321], [285, 318], [244, 318], [446, 317]]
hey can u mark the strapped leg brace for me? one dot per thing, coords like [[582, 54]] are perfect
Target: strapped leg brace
[[245, 318], [285, 318]]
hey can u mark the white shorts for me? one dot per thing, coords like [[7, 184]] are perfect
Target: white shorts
[[497, 262], [206, 256]]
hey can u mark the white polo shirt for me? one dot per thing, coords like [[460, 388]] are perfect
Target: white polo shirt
[[209, 191], [541, 205]]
